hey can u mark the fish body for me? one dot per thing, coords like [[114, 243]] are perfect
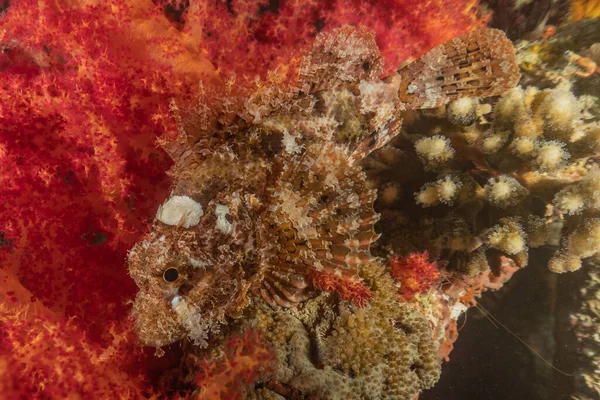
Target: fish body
[[268, 188]]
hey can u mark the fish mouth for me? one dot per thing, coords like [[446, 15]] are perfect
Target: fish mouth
[[156, 324]]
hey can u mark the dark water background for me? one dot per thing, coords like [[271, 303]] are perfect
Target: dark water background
[[488, 363]]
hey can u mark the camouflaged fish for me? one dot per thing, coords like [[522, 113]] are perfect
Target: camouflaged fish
[[267, 187]]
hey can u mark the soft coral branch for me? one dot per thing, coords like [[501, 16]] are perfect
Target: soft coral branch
[[355, 292], [85, 88], [251, 37], [414, 273], [246, 358]]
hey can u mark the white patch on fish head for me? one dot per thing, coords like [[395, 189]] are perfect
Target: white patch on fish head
[[180, 211]]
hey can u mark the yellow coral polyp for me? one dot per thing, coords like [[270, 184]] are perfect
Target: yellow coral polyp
[[492, 143], [564, 262], [504, 191], [508, 237], [434, 150], [523, 147], [585, 240], [569, 201], [444, 190], [462, 111], [551, 155], [559, 109], [509, 105]]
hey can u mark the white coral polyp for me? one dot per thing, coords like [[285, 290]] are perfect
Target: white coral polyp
[[434, 149], [523, 146], [560, 107], [180, 210], [551, 155], [504, 191], [462, 106]]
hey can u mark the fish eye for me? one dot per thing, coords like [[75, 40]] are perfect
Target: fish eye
[[171, 274]]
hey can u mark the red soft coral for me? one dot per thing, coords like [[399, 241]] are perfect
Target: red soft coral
[[354, 291], [414, 273], [246, 358], [250, 37], [81, 106], [43, 355], [85, 91]]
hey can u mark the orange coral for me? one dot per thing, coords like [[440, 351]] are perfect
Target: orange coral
[[43, 355], [450, 337], [582, 9], [486, 280], [460, 293], [246, 358], [251, 37], [354, 291], [414, 273], [81, 105]]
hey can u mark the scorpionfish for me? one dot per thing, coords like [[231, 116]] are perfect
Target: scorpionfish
[[267, 186]]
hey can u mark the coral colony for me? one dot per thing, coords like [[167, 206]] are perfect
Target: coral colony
[[279, 200]]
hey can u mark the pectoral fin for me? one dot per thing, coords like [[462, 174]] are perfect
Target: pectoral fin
[[477, 64]]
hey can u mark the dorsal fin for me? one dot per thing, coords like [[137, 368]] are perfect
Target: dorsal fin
[[477, 64], [345, 55]]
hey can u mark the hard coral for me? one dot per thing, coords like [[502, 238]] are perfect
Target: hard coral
[[383, 350], [518, 172], [533, 183]]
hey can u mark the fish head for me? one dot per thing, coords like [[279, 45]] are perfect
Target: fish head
[[193, 269]]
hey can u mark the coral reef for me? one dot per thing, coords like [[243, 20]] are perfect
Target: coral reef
[[268, 202], [495, 189], [383, 350], [266, 259], [586, 324], [490, 180]]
